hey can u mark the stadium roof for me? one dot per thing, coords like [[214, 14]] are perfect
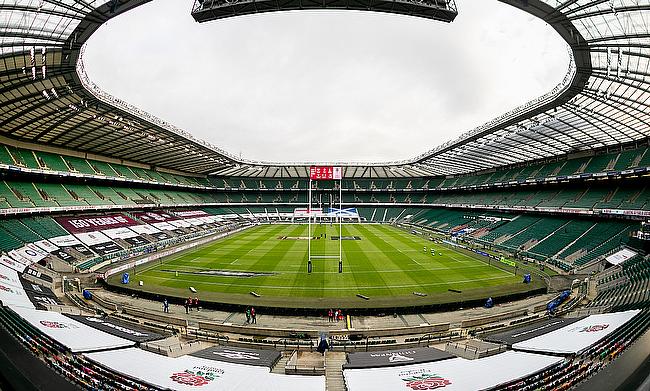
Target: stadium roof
[[603, 101]]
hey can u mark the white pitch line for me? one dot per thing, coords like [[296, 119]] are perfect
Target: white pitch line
[[336, 288]]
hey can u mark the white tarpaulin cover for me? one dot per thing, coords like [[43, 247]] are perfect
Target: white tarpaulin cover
[[28, 254], [45, 245], [93, 238], [12, 263], [120, 233], [68, 332], [577, 336], [65, 241], [164, 226], [620, 256], [145, 229], [12, 293], [187, 373], [456, 374]]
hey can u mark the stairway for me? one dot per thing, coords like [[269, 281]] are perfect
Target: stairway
[[333, 371], [282, 362]]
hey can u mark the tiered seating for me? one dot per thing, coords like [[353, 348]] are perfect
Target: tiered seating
[[28, 191], [613, 344], [79, 165], [10, 200], [509, 229], [19, 230], [51, 161], [8, 242], [626, 159], [44, 226], [58, 193], [593, 238], [535, 232], [75, 368], [627, 289], [559, 239], [573, 370], [605, 247], [85, 194]]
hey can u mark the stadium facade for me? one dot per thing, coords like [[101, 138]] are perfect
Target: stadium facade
[[90, 183]]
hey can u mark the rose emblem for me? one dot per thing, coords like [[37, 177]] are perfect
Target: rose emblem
[[595, 328], [189, 379], [426, 382]]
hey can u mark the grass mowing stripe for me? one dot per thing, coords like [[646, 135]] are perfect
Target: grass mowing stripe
[[386, 262]]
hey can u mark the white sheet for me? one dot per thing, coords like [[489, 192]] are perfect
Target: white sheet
[[456, 374], [68, 332], [577, 336], [187, 373], [12, 293]]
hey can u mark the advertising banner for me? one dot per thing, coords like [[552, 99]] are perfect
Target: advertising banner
[[12, 293], [145, 229], [190, 213], [120, 233], [393, 358], [39, 295], [620, 256], [117, 328], [11, 263], [65, 241], [93, 238], [152, 217], [577, 336], [189, 373], [68, 332], [76, 225], [244, 356], [28, 254], [164, 226], [46, 245], [456, 374]]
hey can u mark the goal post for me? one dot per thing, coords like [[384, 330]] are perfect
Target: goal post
[[324, 173]]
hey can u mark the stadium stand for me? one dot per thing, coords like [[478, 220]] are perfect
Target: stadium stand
[[561, 181]]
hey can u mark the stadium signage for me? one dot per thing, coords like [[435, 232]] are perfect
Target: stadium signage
[[94, 223], [237, 355], [116, 328], [420, 379], [317, 173], [197, 376], [393, 358]]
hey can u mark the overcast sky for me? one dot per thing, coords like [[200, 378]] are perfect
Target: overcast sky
[[326, 85]]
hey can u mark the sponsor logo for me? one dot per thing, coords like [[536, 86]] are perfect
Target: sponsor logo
[[589, 329], [198, 376], [6, 289], [237, 355], [594, 328], [422, 380], [58, 325], [117, 327], [396, 357], [3, 277]]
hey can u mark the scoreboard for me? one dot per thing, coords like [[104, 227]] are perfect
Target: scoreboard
[[325, 173]]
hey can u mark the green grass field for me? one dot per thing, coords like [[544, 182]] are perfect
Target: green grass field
[[387, 265]]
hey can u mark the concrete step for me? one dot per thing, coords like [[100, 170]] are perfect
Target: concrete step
[[334, 372], [281, 364]]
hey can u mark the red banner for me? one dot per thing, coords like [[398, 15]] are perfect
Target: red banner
[[95, 223], [321, 173]]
